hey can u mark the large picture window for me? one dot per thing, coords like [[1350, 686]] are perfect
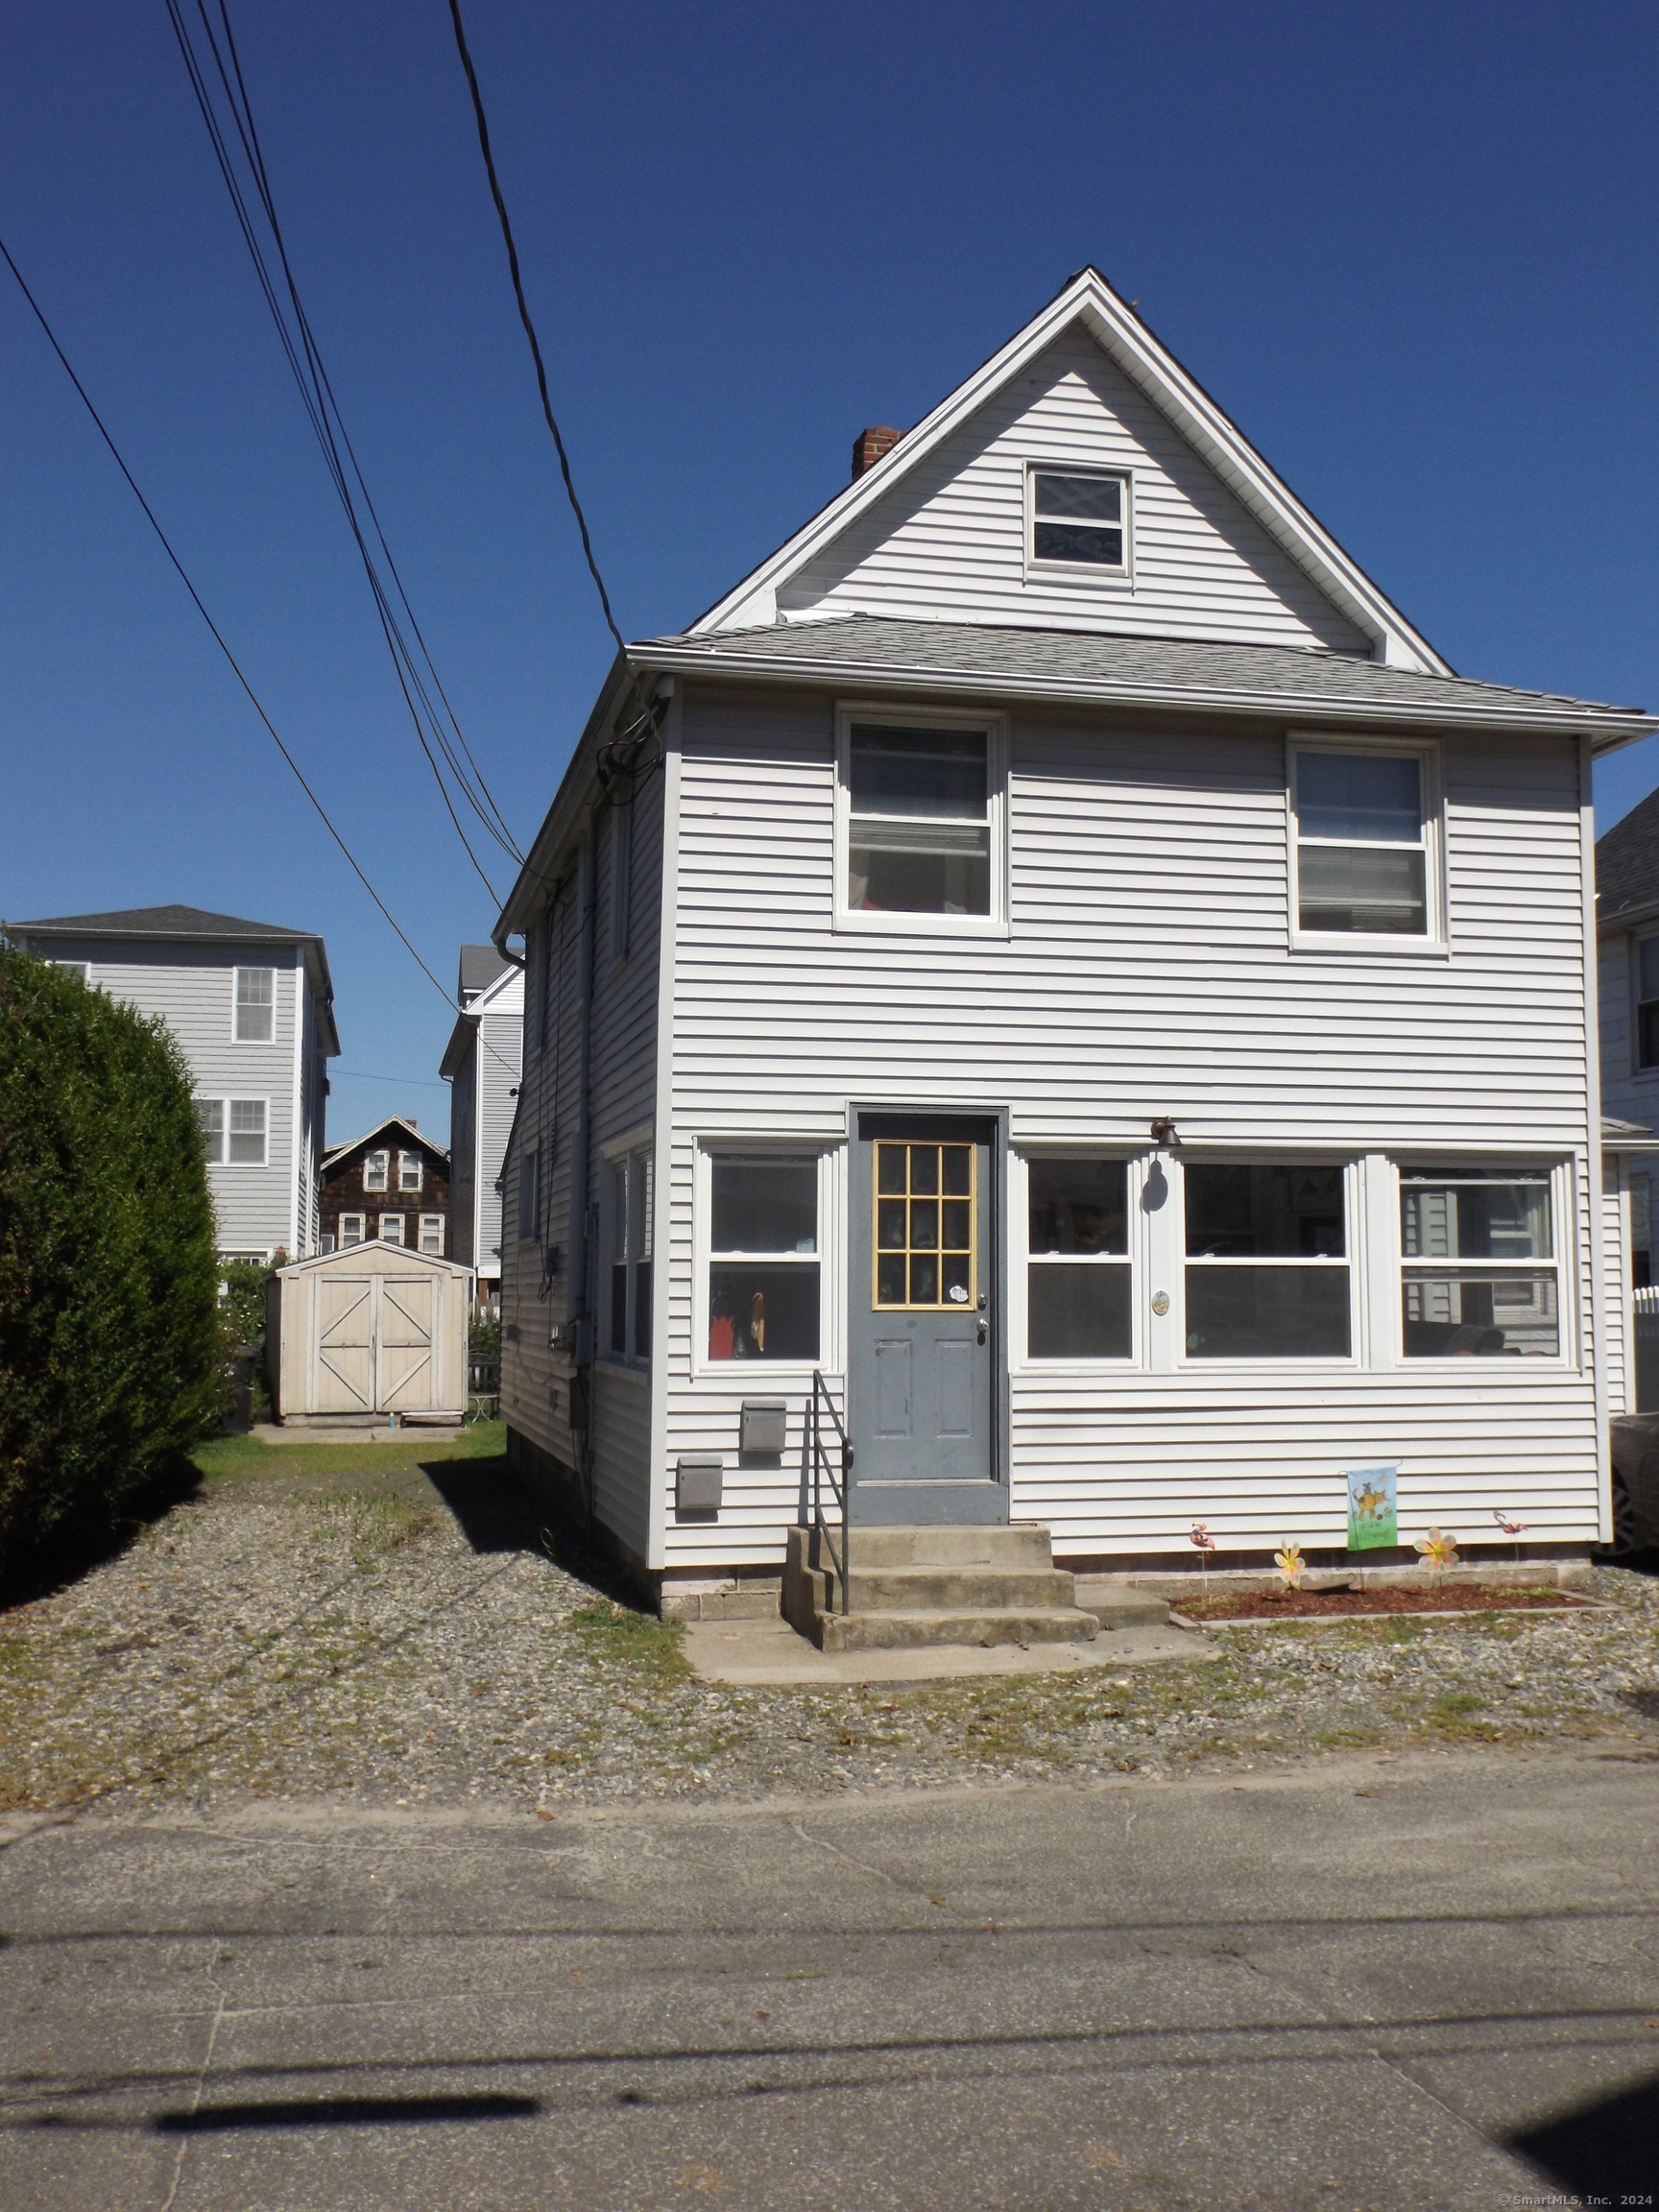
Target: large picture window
[[1364, 860], [1267, 1271], [920, 813], [1077, 1281], [1480, 1275], [764, 1259]]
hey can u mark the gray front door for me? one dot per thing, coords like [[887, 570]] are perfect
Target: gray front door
[[923, 1334]]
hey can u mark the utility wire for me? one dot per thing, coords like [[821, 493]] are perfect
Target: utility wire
[[217, 638], [640, 729], [305, 362]]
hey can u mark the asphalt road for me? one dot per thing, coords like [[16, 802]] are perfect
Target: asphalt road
[[1412, 1982]]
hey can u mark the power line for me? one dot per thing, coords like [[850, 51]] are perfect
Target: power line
[[217, 638], [643, 727], [317, 394]]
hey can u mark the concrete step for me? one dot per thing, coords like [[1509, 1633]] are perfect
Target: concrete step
[[1023, 1543], [947, 1588], [1116, 1607], [894, 1631]]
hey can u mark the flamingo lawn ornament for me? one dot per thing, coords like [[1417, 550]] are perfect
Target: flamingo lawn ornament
[[1515, 1528], [1204, 1543]]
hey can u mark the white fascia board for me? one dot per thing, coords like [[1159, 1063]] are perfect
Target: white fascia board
[[1605, 730], [1125, 339]]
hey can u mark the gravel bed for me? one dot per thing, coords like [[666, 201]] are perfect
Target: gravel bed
[[383, 1625]]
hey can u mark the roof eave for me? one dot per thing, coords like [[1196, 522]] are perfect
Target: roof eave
[[1606, 730], [530, 887]]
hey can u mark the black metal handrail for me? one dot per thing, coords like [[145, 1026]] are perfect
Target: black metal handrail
[[822, 1470]]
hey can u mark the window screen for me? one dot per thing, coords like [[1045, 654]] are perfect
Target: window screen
[[1267, 1273], [1478, 1268], [1078, 1273], [763, 1267], [1077, 519], [919, 837], [1362, 858]]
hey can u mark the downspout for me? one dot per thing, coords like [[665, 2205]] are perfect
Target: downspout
[[581, 1182]]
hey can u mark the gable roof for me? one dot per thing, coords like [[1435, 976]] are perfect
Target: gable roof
[[337, 1152], [1072, 664], [470, 1022], [1627, 865], [480, 965], [1120, 334]]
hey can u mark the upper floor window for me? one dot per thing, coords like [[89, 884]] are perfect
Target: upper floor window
[[1079, 519], [255, 1005], [920, 822], [1647, 1001], [233, 1131], [409, 1168], [377, 1170], [1364, 823]]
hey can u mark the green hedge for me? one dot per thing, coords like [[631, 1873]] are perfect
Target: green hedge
[[109, 1362]]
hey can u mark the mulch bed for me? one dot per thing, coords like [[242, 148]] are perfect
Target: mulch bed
[[1379, 1600]]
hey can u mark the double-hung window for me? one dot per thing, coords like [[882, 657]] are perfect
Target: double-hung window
[[1480, 1275], [1267, 1268], [1077, 1278], [631, 1203], [432, 1234], [1077, 521], [764, 1292], [377, 1170], [409, 1170], [210, 1112], [255, 1005], [1365, 831], [920, 812], [391, 1228], [353, 1229], [233, 1131], [1646, 952]]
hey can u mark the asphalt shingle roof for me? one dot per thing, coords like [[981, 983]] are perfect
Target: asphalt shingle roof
[[1134, 666], [166, 922], [480, 965], [1627, 863]]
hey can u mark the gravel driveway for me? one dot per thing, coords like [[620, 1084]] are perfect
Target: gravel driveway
[[386, 1622]]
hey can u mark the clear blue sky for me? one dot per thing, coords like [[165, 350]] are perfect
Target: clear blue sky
[[1410, 249]]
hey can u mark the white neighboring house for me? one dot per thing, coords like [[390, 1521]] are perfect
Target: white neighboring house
[[1627, 924], [481, 1064], [253, 1009], [1057, 961]]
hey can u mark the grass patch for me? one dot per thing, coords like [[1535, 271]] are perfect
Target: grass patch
[[638, 1640], [230, 1459]]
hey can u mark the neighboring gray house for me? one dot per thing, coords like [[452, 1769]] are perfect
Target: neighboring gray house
[[481, 1064], [253, 1009], [1055, 961], [1627, 927]]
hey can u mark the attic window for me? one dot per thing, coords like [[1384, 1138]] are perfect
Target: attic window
[[1079, 521]]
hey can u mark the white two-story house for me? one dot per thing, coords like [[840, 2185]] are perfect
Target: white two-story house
[[251, 1007], [481, 1064], [1056, 964]]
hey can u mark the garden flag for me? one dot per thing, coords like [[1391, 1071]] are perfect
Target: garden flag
[[1371, 1507]]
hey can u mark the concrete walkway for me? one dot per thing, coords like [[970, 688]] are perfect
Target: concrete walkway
[[769, 1653], [1422, 1984]]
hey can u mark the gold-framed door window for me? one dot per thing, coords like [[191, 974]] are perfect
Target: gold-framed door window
[[925, 1228]]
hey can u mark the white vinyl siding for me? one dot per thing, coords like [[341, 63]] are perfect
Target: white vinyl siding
[[1148, 973], [948, 541]]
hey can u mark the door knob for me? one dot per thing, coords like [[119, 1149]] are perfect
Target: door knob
[[984, 1329]]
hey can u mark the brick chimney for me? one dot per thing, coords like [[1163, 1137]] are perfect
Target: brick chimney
[[868, 446]]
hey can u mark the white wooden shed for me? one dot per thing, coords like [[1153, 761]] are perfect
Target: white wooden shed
[[371, 1330]]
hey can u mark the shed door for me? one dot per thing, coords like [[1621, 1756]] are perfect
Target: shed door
[[344, 1318], [408, 1365]]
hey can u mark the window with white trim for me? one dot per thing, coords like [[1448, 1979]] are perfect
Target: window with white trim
[[81, 968], [377, 1170], [409, 1170], [210, 1112], [1364, 826], [920, 813], [247, 1132], [255, 1005], [1078, 1272], [1479, 1270], [431, 1237], [391, 1228], [630, 1206], [1646, 952], [764, 1266], [354, 1228], [1267, 1272], [1078, 519]]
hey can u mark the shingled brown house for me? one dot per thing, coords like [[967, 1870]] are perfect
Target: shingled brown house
[[390, 1183]]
